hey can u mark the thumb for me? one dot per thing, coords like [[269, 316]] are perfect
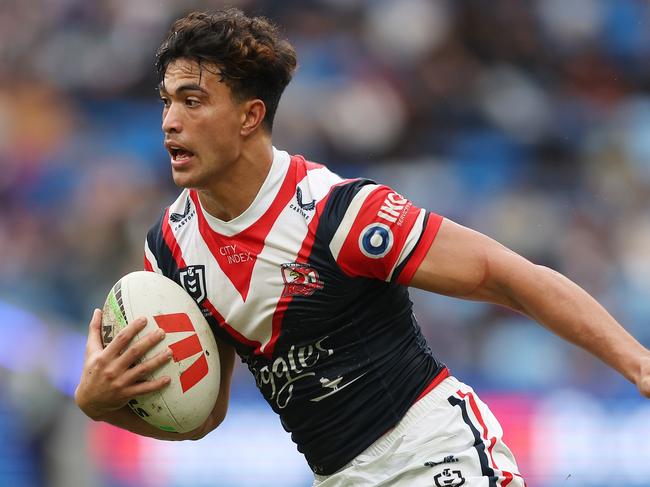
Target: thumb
[[94, 342]]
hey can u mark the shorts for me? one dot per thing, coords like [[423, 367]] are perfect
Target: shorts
[[448, 438]]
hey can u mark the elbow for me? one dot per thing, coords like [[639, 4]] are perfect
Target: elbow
[[518, 290], [85, 407], [214, 420]]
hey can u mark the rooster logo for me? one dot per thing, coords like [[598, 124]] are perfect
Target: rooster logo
[[300, 280]]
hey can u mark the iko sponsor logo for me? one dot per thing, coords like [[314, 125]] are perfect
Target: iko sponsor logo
[[182, 218], [394, 209], [192, 279], [276, 380], [300, 279], [376, 240]]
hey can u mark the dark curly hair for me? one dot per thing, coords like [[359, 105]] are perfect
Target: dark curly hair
[[252, 58]]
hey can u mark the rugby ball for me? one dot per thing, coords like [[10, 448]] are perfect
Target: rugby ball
[[194, 369]]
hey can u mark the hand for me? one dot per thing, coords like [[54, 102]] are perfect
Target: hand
[[643, 383], [108, 381]]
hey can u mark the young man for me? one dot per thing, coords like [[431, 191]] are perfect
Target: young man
[[304, 275]]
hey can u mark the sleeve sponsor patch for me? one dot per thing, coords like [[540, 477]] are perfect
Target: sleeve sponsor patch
[[378, 233]]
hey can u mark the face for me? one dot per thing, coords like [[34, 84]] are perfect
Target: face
[[202, 123]]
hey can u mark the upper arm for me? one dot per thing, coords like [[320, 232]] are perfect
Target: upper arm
[[374, 232], [218, 413], [467, 264], [227, 363]]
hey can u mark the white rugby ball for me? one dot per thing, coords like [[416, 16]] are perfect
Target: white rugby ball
[[194, 369]]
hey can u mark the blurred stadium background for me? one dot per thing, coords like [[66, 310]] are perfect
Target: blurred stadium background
[[529, 121]]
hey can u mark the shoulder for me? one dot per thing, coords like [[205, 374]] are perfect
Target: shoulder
[[160, 242], [319, 182], [175, 214]]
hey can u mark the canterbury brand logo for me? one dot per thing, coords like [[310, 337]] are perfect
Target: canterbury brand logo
[[177, 217], [185, 348], [307, 206]]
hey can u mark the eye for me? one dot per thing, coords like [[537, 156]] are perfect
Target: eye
[[164, 101], [192, 102]]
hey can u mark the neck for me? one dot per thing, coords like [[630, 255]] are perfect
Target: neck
[[234, 191]]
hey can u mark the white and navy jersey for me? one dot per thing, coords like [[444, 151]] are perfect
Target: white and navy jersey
[[308, 284]]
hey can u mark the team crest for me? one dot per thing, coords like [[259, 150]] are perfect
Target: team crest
[[300, 280], [193, 280]]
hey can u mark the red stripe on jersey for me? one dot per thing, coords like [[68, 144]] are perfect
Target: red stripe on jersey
[[175, 249], [421, 249], [508, 476], [351, 258], [237, 255], [442, 375], [231, 331], [171, 242], [301, 258], [147, 265], [310, 165]]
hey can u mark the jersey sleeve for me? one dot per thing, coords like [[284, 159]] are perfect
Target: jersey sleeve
[[379, 233]]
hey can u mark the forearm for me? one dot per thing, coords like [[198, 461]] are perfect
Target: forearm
[[563, 307], [125, 418], [466, 264]]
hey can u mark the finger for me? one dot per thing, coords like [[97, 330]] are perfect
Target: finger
[[94, 342], [147, 387], [138, 349], [142, 371], [124, 337]]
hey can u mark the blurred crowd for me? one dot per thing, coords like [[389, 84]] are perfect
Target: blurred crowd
[[528, 121]]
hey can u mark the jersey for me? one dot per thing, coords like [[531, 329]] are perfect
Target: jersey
[[309, 286]]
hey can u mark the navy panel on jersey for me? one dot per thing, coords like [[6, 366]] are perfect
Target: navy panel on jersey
[[375, 348]]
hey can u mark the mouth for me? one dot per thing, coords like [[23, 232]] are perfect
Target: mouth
[[179, 154]]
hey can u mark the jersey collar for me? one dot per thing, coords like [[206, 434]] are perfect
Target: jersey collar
[[260, 204]]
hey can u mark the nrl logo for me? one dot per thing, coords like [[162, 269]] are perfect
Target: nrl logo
[[300, 280], [192, 279]]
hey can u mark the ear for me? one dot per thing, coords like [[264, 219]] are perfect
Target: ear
[[254, 111]]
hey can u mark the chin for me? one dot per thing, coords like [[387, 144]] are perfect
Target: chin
[[184, 180]]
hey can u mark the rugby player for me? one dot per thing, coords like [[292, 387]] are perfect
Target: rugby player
[[304, 276]]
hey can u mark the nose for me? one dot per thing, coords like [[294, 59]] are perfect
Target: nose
[[171, 122]]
